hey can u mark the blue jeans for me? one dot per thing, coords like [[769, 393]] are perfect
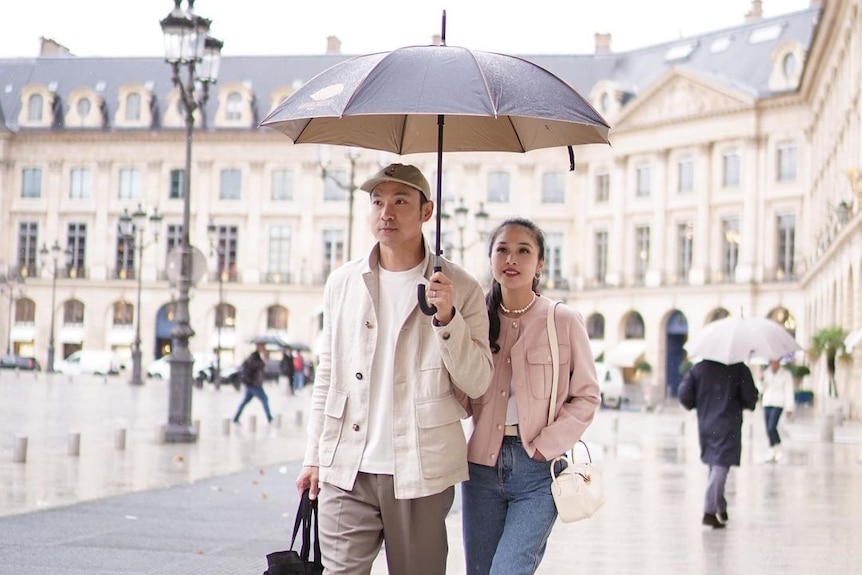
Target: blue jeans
[[250, 393], [772, 415], [508, 513]]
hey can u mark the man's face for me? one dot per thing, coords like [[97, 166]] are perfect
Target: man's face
[[397, 215]]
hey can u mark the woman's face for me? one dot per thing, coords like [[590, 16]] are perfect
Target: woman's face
[[515, 258]]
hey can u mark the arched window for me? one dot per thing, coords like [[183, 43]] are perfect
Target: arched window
[[225, 315], [717, 314], [124, 313], [133, 107], [276, 317], [73, 312], [34, 108], [634, 326], [84, 107], [25, 311], [233, 109], [596, 326]]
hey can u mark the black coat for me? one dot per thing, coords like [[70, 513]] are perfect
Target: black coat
[[719, 393]]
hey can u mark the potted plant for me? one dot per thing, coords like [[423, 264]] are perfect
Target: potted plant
[[829, 341], [798, 371]]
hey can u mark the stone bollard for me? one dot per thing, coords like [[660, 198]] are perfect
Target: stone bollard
[[827, 428], [680, 442], [19, 454], [298, 418], [73, 445], [252, 423], [197, 425], [277, 420], [225, 426], [120, 439], [161, 433]]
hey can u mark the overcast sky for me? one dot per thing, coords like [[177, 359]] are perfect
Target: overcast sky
[[255, 27]]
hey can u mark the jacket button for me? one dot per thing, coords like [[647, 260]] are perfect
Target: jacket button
[[445, 336], [355, 427], [358, 375], [368, 324], [499, 426]]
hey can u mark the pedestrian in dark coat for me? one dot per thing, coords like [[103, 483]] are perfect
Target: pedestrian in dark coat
[[252, 377], [719, 393]]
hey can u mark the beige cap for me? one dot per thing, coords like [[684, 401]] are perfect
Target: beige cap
[[401, 173]]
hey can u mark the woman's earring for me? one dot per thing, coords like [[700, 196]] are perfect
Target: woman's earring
[[539, 274]]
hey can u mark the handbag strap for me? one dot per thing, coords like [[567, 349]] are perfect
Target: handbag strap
[[555, 360], [306, 518]]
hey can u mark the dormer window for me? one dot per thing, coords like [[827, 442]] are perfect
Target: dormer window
[[790, 65], [133, 107], [84, 107], [34, 108], [234, 106]]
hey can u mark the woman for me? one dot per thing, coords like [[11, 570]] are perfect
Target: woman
[[776, 394], [508, 507]]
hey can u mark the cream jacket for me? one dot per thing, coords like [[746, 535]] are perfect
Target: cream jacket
[[428, 439], [528, 361]]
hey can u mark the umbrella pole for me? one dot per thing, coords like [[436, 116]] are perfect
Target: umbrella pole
[[426, 308]]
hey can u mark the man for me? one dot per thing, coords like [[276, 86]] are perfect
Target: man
[[286, 367], [252, 377], [386, 445], [719, 392]]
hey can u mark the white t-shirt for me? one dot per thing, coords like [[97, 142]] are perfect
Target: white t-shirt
[[395, 300]]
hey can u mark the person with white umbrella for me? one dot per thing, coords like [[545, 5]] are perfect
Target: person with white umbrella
[[719, 392], [776, 390]]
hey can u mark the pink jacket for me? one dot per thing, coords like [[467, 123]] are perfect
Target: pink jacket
[[578, 395]]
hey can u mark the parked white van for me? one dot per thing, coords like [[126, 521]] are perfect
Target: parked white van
[[97, 362]]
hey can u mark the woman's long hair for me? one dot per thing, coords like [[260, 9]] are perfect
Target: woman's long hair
[[494, 297]]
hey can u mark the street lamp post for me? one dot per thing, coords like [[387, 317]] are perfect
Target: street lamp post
[[216, 249], [189, 50], [129, 224], [13, 288], [461, 212], [55, 255], [350, 187]]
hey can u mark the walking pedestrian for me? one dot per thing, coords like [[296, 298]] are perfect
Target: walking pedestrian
[[719, 393], [298, 372], [252, 377], [776, 396], [385, 441], [287, 368], [508, 509]]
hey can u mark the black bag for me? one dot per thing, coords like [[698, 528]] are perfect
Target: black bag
[[290, 562]]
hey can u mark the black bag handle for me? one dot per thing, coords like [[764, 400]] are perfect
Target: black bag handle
[[306, 516]]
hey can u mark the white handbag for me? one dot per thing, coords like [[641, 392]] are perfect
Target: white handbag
[[578, 490]]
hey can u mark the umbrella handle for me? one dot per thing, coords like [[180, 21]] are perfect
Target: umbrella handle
[[426, 308]]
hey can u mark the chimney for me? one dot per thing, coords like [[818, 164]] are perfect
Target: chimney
[[436, 40], [603, 42], [333, 45], [756, 12], [51, 49]]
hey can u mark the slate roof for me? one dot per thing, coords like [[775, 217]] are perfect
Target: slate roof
[[742, 65]]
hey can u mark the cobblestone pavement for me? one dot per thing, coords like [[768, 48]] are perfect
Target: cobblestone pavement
[[220, 504]]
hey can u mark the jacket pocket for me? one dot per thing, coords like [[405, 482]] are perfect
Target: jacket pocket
[[441, 441], [333, 422], [540, 369]]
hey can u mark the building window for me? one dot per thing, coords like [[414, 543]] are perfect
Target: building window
[[173, 237], [28, 240], [446, 191], [334, 186], [279, 253], [133, 107], [25, 311], [601, 257], [498, 187], [83, 107], [231, 185], [684, 248], [603, 188], [282, 185], [233, 108], [553, 188], [276, 317], [130, 184], [730, 248], [686, 175], [176, 186], [786, 162], [634, 326], [641, 254], [80, 184], [31, 183], [553, 270], [124, 313], [333, 251], [76, 239], [227, 244], [786, 246], [730, 166], [596, 326], [125, 258], [644, 181], [34, 108], [789, 65], [225, 316], [73, 313]]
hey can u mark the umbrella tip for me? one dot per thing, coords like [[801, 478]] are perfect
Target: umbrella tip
[[443, 29]]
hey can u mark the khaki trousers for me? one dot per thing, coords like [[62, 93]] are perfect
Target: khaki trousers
[[354, 524]]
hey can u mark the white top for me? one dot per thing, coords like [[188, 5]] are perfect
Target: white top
[[776, 389], [394, 305]]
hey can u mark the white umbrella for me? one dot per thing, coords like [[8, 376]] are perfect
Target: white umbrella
[[851, 340], [734, 340]]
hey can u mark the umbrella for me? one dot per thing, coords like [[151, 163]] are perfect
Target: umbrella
[[268, 339], [297, 346], [733, 340], [399, 102]]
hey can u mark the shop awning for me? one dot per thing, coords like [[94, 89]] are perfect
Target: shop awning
[[72, 335], [626, 353], [597, 346], [227, 339], [121, 337], [22, 333]]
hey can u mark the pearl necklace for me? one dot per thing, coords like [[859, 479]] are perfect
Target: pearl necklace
[[519, 311]]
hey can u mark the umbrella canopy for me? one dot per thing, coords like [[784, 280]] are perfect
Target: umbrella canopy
[[852, 340], [268, 339], [399, 102], [734, 340]]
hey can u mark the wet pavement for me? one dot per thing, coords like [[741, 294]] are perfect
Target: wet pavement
[[221, 504]]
